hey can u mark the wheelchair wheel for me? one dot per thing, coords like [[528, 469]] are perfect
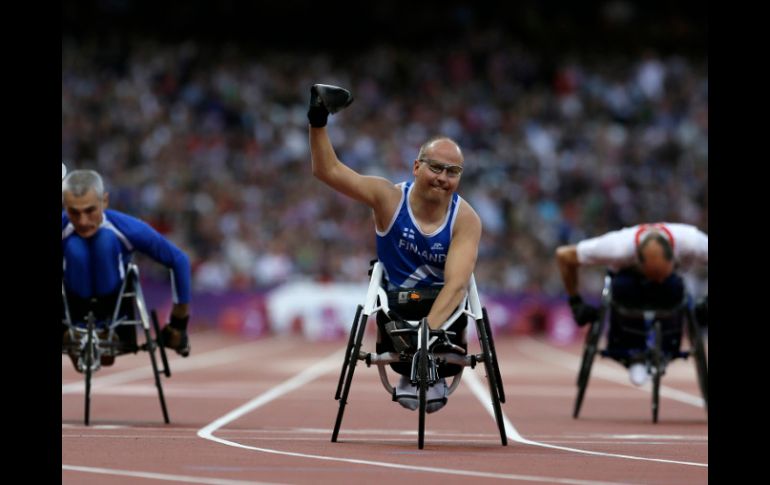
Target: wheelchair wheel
[[657, 369], [422, 381], [349, 366], [699, 353], [490, 366], [498, 377], [589, 352], [89, 360], [151, 345], [348, 350], [161, 345]]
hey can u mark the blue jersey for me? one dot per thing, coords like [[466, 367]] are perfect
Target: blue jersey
[[412, 258], [96, 266]]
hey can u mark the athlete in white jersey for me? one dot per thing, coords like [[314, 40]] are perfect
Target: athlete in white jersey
[[643, 260], [428, 207]]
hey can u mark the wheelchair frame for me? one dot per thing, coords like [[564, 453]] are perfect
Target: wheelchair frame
[[655, 358], [424, 361], [90, 347]]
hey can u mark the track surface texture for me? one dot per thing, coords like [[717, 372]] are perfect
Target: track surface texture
[[262, 411]]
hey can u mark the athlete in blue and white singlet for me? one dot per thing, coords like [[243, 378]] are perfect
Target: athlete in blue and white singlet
[[412, 258], [442, 257]]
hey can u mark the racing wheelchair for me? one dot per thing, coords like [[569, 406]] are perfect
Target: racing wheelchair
[[424, 361], [654, 355], [100, 338]]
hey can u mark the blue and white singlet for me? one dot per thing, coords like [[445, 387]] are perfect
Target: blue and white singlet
[[412, 258]]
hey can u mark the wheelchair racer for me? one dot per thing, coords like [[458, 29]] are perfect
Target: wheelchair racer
[[427, 236], [643, 262], [97, 244]]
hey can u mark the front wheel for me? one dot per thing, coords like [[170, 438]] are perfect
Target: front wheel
[[591, 347], [422, 381]]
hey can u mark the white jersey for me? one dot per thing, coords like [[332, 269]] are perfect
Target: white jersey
[[617, 249]]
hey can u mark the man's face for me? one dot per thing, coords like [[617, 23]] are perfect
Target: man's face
[[438, 186], [85, 212], [655, 267]]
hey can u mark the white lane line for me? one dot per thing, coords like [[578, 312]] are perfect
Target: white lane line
[[565, 359], [482, 394], [322, 367], [207, 359], [298, 380], [679, 437], [159, 476]]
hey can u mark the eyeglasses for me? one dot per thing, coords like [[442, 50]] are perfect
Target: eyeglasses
[[438, 167]]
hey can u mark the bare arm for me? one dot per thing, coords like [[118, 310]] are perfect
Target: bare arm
[[376, 192], [566, 257], [460, 261]]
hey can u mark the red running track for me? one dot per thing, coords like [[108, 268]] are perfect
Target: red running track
[[219, 433]]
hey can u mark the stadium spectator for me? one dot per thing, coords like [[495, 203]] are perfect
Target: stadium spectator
[[210, 148]]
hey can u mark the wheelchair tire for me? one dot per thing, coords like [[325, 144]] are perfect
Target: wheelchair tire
[[89, 360], [494, 386], [422, 381], [359, 326], [699, 353], [348, 350], [161, 346], [155, 372], [657, 366], [498, 377], [589, 352]]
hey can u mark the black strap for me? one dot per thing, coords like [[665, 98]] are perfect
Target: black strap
[[404, 296]]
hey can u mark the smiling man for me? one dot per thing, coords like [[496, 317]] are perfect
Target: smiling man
[[97, 244], [427, 235]]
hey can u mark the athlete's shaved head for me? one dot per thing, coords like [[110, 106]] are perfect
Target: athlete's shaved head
[[655, 256]]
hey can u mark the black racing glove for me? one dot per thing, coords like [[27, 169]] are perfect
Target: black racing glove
[[326, 99], [317, 113], [702, 312], [174, 335], [582, 312]]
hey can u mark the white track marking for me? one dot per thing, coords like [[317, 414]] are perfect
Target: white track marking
[[207, 359], [298, 380], [565, 359], [482, 394], [647, 437], [314, 372], [159, 476]]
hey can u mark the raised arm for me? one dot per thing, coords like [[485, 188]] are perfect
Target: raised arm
[[460, 262], [331, 171], [376, 192]]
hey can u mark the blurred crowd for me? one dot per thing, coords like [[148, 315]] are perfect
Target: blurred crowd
[[209, 144]]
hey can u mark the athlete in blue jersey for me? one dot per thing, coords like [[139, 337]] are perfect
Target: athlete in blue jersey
[[427, 236], [97, 243], [412, 257]]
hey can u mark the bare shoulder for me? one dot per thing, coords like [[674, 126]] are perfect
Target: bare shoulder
[[467, 218], [386, 197], [387, 194]]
